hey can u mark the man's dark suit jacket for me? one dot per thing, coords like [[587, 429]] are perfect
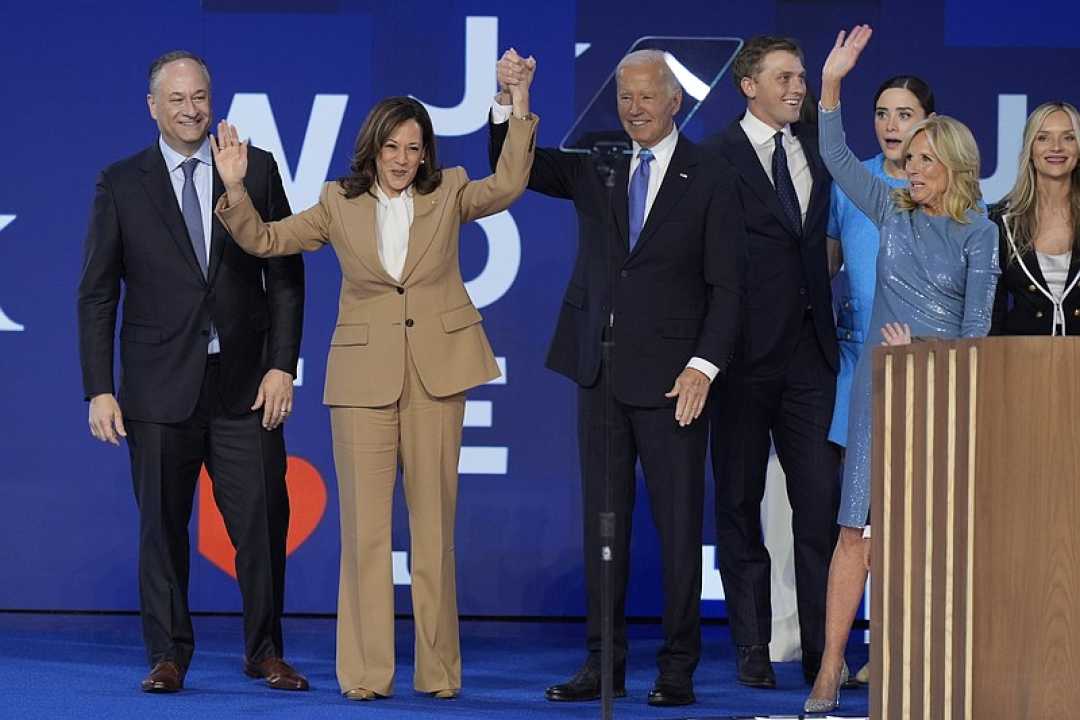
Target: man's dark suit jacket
[[676, 296], [787, 270], [137, 235]]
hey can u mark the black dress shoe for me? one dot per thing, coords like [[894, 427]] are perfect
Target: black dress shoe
[[754, 667], [667, 692], [585, 685]]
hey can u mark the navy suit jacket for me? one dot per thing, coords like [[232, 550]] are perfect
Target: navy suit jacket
[[787, 270], [676, 296], [137, 239]]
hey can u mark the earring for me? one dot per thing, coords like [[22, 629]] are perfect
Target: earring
[[423, 161]]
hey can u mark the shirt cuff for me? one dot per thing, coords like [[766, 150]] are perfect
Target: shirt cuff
[[500, 113], [704, 366]]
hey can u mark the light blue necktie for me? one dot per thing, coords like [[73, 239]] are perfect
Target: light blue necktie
[[192, 212], [639, 191]]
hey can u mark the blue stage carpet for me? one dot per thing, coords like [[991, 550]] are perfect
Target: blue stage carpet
[[89, 666]]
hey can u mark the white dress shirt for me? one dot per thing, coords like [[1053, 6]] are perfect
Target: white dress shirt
[[393, 218], [203, 177], [662, 154], [761, 138]]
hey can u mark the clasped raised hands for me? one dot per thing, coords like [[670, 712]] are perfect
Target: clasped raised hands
[[515, 75]]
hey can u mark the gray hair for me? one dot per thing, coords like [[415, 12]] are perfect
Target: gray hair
[[652, 57], [159, 64]]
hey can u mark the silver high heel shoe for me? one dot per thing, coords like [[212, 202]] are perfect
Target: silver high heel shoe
[[824, 705]]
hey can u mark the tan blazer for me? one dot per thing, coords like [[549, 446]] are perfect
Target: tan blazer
[[376, 314]]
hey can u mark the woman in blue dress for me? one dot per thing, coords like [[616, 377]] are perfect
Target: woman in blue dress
[[899, 104], [937, 269]]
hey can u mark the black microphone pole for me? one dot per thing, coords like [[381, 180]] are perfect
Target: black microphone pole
[[606, 155]]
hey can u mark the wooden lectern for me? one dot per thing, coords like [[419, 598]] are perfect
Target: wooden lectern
[[975, 596]]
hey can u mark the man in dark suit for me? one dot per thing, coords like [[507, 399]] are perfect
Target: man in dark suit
[[209, 343], [657, 273], [782, 380]]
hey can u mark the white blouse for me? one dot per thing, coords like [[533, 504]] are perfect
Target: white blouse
[[1055, 268], [394, 216]]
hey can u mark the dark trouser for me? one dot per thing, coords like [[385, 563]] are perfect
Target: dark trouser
[[673, 459], [795, 404], [247, 464]]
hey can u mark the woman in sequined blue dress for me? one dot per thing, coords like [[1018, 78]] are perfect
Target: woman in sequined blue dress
[[937, 269], [900, 103]]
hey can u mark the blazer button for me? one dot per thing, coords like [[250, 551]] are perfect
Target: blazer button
[[1031, 288], [409, 323], [1076, 312], [802, 291], [1038, 313], [624, 274], [400, 291]]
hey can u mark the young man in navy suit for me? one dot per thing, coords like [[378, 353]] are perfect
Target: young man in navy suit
[[782, 381]]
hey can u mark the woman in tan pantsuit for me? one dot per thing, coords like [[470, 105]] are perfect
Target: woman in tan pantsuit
[[407, 345]]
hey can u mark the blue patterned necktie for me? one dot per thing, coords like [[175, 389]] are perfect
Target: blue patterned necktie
[[785, 189], [639, 191], [192, 212]]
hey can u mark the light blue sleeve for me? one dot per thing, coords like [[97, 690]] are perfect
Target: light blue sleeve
[[870, 193], [981, 251], [836, 213]]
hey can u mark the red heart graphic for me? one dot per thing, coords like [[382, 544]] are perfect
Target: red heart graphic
[[307, 503]]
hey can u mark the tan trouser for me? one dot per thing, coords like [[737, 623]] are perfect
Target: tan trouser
[[425, 432]]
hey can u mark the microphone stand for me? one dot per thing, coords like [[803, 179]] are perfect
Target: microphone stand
[[606, 154]]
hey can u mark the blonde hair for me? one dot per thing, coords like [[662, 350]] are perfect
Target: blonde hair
[[954, 147], [1022, 202]]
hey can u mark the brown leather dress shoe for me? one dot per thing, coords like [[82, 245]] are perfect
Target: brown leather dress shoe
[[165, 677], [277, 673]]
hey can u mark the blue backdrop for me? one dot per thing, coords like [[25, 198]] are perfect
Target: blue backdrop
[[298, 76]]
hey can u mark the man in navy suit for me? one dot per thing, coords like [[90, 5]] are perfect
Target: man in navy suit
[[209, 343], [782, 380], [658, 273]]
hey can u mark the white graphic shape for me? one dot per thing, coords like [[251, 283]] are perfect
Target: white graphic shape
[[254, 119], [481, 52], [6, 323], [1012, 114], [503, 261]]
